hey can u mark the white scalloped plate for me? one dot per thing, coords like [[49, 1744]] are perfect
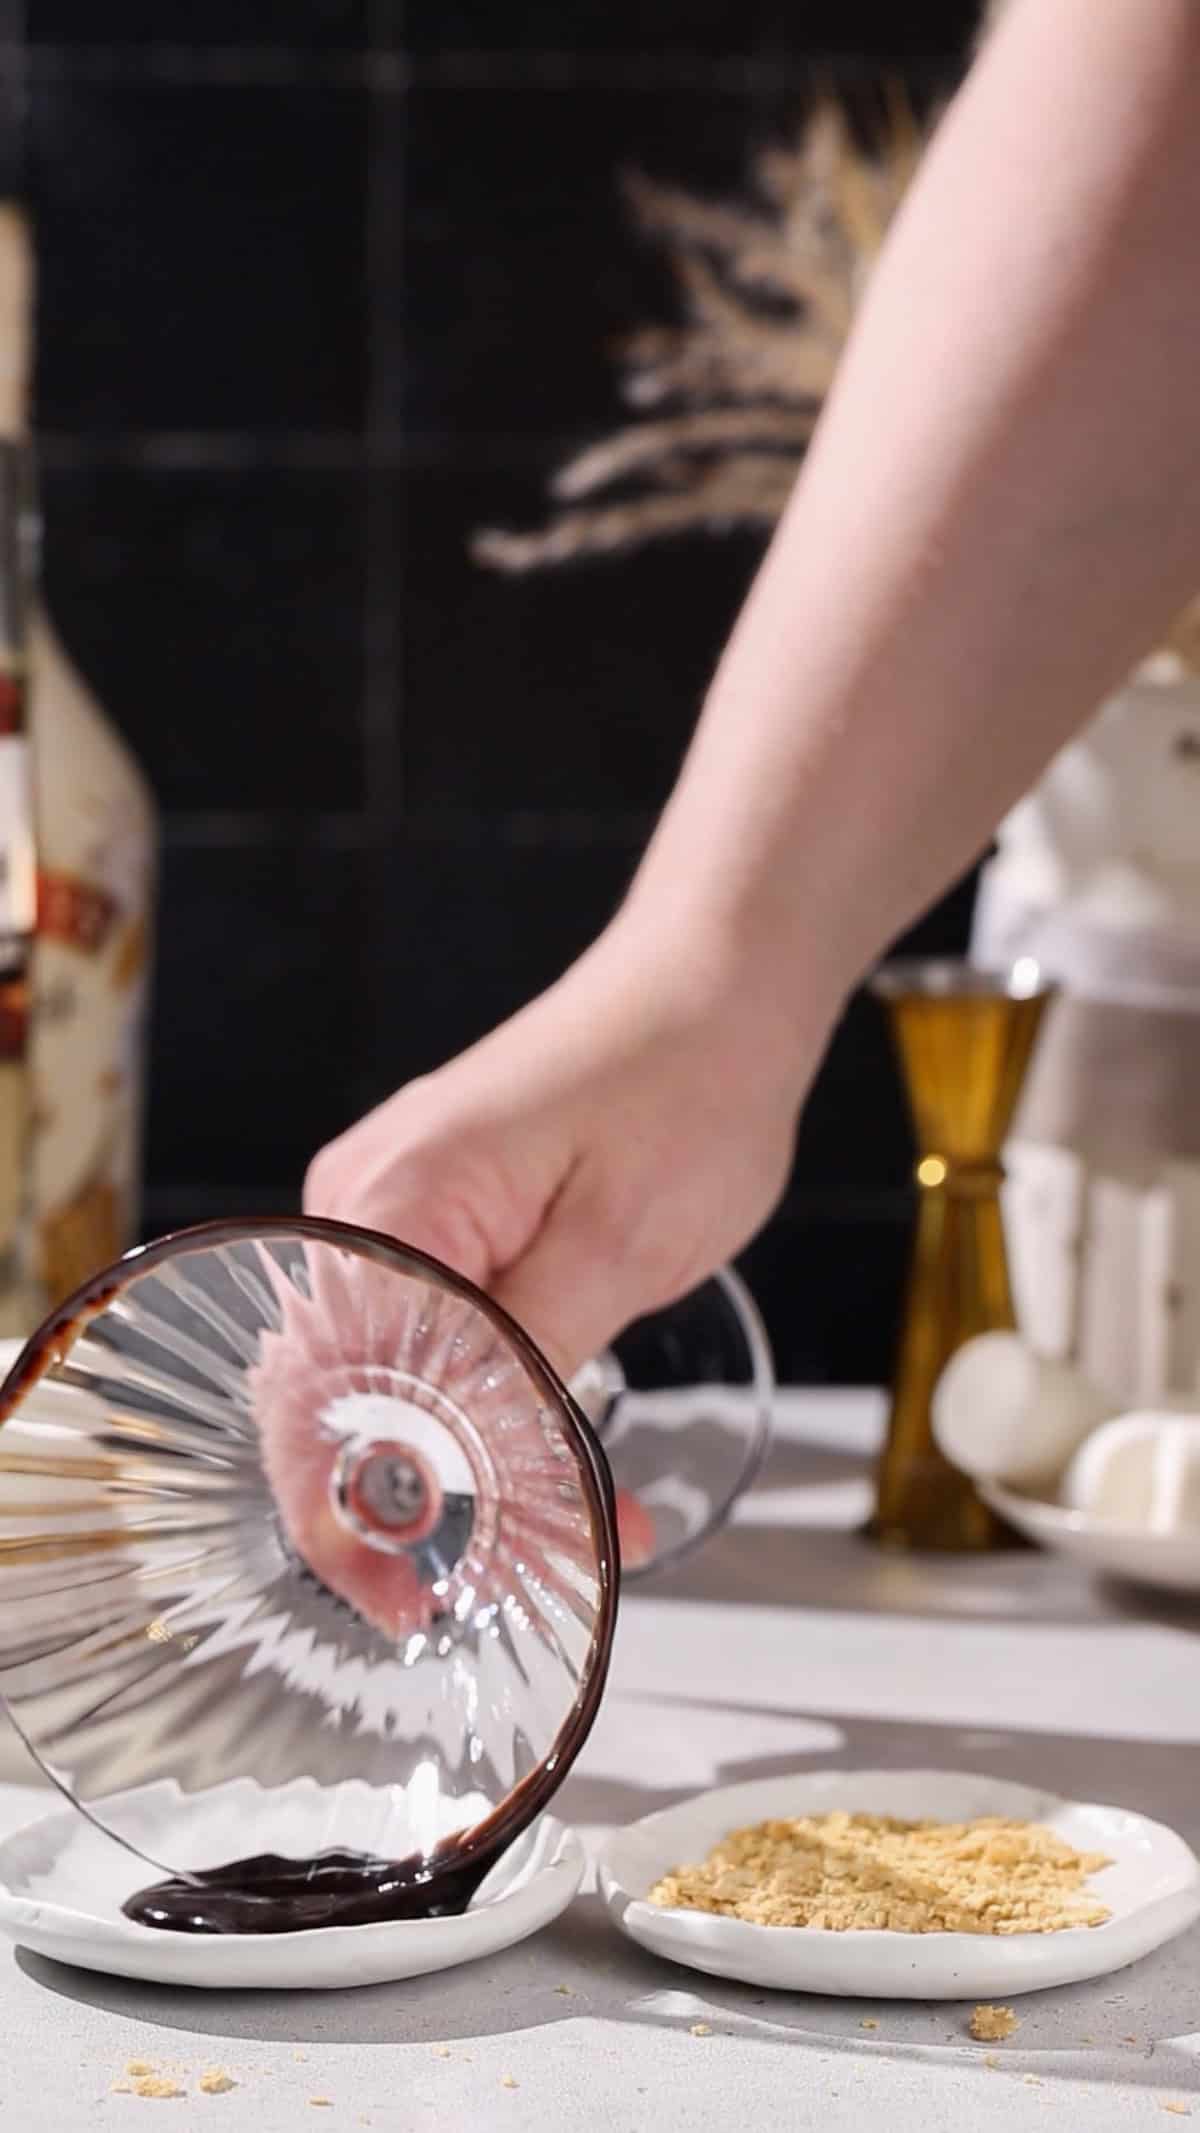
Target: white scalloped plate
[[62, 1884], [1152, 1890], [1168, 1561]]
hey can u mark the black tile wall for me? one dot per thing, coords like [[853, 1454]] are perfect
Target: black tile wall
[[829, 1284], [574, 689], [324, 287], [297, 25], [481, 923], [201, 255], [262, 1012], [774, 28], [521, 190], [220, 613]]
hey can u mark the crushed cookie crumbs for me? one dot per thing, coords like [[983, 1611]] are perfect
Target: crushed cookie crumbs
[[868, 2022], [158, 2085], [857, 1873], [216, 2082], [990, 2025], [1177, 2110], [140, 2066], [507, 2082], [700, 2029]]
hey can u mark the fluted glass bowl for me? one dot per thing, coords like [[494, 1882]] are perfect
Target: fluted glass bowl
[[292, 1504]]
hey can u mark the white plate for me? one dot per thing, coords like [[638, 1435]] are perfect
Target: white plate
[[62, 1884], [1152, 1890], [1170, 1561]]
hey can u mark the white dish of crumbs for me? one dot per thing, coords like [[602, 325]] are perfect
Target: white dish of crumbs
[[1010, 1890], [63, 1881]]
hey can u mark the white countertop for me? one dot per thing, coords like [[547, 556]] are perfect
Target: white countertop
[[787, 1643]]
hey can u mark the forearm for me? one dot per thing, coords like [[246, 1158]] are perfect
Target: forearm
[[1000, 509]]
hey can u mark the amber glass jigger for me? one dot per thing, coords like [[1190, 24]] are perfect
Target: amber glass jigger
[[965, 1037]]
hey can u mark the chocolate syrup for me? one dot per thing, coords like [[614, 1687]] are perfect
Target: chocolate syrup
[[271, 1894]]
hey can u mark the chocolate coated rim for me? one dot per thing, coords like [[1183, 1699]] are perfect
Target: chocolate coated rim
[[49, 1344]]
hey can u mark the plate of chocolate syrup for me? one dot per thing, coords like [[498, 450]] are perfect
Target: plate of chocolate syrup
[[308, 1575], [69, 1892], [308, 1586]]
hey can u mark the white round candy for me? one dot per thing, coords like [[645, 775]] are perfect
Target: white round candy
[[1002, 1413]]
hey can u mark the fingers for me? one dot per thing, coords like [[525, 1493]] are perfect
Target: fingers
[[635, 1531], [574, 1288], [413, 1202]]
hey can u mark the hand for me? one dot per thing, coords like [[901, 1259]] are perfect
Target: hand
[[599, 1154]]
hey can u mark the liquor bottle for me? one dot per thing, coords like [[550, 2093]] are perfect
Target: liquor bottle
[[93, 847], [18, 896]]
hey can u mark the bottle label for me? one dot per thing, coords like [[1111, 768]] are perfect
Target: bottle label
[[18, 878], [95, 864], [75, 912]]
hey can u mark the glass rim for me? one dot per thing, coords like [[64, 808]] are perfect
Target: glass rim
[[51, 1341], [948, 976], [763, 1387]]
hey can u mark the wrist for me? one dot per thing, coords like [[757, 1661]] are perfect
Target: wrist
[[735, 981]]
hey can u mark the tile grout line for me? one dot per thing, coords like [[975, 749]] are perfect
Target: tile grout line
[[385, 66], [383, 256], [459, 829], [171, 66], [14, 64], [382, 706], [384, 445]]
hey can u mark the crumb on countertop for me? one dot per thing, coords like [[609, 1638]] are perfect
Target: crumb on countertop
[[508, 2081], [700, 2029], [321, 2103], [992, 2063], [214, 2081], [140, 2066], [868, 2022], [159, 2085], [991, 2025], [1177, 2110]]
